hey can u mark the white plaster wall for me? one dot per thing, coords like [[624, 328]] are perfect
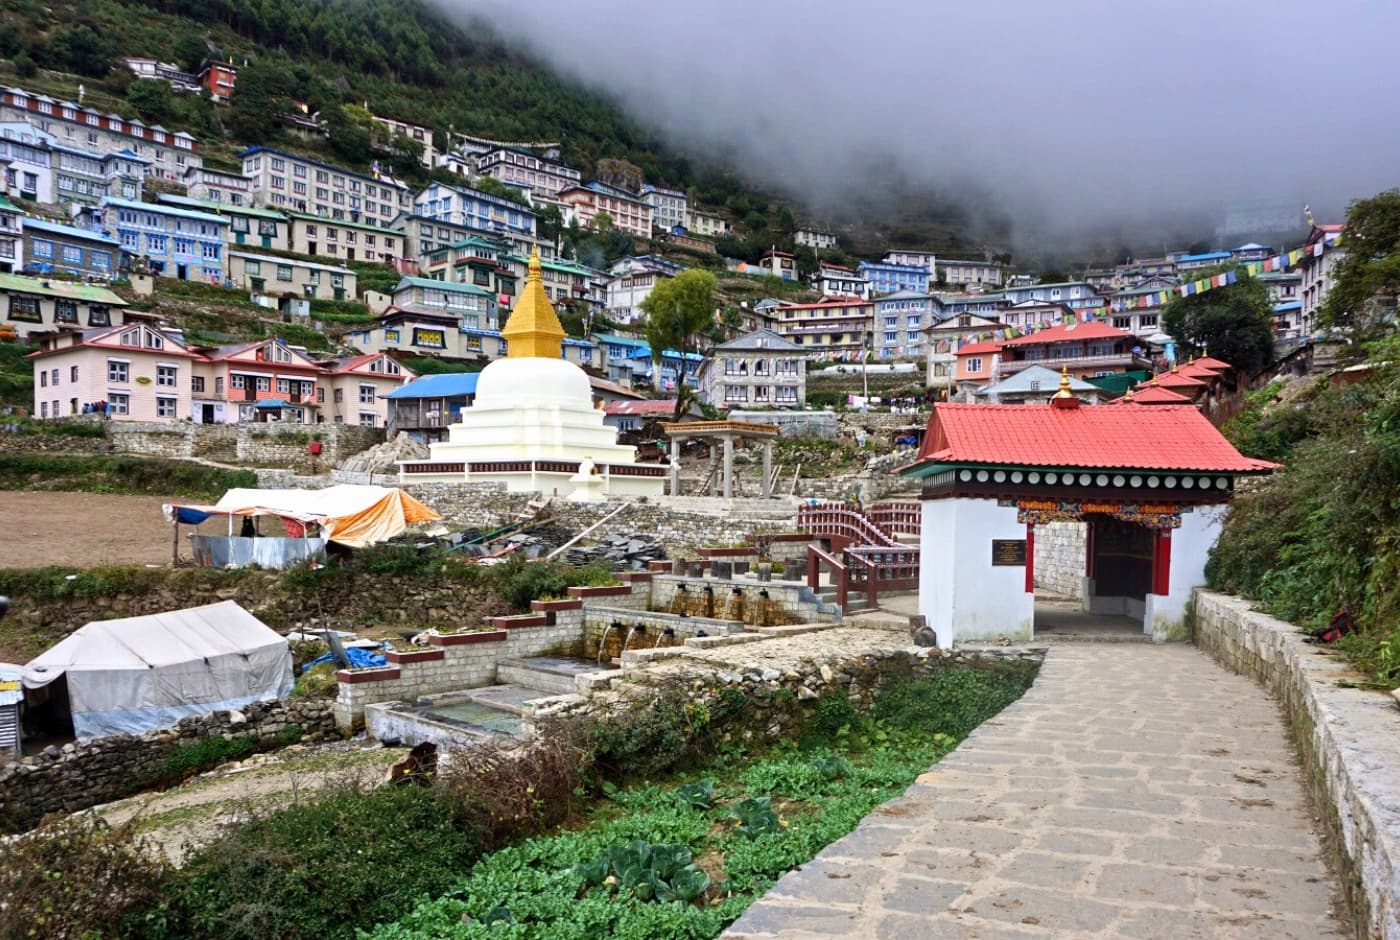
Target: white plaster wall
[[1191, 546], [961, 594]]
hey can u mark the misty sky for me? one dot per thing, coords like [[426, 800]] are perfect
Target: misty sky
[[1072, 113]]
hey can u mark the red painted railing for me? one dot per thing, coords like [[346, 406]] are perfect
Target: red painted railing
[[816, 559], [874, 569], [897, 517], [842, 524]]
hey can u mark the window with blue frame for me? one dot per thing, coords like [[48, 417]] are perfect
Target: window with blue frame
[[100, 260], [72, 254], [41, 248]]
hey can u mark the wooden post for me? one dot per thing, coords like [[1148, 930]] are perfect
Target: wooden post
[[175, 544]]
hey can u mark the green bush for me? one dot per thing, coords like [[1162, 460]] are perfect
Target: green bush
[[318, 870], [521, 581], [132, 475], [79, 879], [952, 701]]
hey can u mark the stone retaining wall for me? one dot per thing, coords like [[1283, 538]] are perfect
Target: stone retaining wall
[[459, 660], [80, 775], [599, 630], [1059, 558], [788, 601], [1349, 739]]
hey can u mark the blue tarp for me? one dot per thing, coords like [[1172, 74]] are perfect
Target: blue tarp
[[359, 659], [189, 516]]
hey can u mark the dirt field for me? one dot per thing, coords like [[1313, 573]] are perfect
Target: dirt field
[[83, 530]]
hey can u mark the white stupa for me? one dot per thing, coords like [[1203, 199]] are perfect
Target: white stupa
[[533, 425]]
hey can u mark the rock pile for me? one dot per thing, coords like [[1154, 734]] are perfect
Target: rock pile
[[381, 459]]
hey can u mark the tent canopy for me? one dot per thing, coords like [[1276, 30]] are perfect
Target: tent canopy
[[349, 514], [141, 673]]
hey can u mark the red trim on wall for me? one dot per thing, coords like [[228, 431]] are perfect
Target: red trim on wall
[[1030, 558], [413, 656], [354, 677], [1162, 562]]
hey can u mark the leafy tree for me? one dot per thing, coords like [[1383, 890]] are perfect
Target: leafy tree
[[190, 51], [1233, 323], [677, 310], [494, 187], [351, 133], [1369, 267], [77, 48], [152, 99], [264, 90]]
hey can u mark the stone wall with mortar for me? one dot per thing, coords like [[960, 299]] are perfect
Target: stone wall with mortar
[[347, 600], [250, 443], [457, 661], [1349, 739], [1059, 558], [80, 775], [788, 601], [643, 630]]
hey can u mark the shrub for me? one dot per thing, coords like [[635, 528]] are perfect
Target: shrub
[[212, 751], [521, 581], [78, 879], [119, 475], [952, 701], [321, 868]]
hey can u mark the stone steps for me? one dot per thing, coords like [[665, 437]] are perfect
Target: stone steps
[[549, 675]]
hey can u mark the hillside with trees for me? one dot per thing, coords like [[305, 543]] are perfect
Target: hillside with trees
[[401, 58]]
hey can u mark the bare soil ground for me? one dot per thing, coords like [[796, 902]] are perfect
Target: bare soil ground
[[83, 530]]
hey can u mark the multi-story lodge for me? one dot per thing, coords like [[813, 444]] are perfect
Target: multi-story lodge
[[900, 319], [232, 189], [668, 207], [11, 237], [915, 259], [286, 181], [943, 340], [247, 227], [833, 329], [178, 243], [41, 169], [834, 280], [140, 372], [27, 162], [461, 205], [889, 278], [1315, 273], [968, 273], [75, 125], [278, 276], [632, 282], [814, 238], [759, 369], [50, 246], [1086, 350], [349, 241], [527, 170], [44, 305], [1077, 295], [627, 212], [705, 223]]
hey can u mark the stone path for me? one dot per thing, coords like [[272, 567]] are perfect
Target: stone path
[[1134, 791]]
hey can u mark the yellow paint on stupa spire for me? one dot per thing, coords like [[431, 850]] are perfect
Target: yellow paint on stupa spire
[[533, 328]]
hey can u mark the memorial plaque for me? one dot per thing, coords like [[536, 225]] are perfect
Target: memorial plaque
[[1009, 552]]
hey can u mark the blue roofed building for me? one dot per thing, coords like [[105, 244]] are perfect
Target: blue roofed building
[[887, 278], [1076, 295], [900, 319], [461, 205], [1187, 263], [50, 247], [178, 243], [425, 407]]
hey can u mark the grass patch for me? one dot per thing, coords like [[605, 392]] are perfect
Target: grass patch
[[205, 753], [124, 475]]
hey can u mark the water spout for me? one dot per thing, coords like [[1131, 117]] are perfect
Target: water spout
[[734, 610], [637, 628], [709, 600], [603, 641], [678, 600]]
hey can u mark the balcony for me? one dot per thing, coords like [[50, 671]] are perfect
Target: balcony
[[1111, 361]]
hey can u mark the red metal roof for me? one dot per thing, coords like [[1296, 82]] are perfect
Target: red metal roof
[[1208, 362], [1066, 332], [1197, 371], [1157, 395], [1089, 436], [1172, 379], [979, 349]]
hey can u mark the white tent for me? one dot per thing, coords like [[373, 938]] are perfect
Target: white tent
[[142, 673]]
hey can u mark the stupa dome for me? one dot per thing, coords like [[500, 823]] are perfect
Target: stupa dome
[[530, 380]]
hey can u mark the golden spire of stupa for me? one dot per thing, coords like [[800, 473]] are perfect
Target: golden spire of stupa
[[533, 328], [1064, 391]]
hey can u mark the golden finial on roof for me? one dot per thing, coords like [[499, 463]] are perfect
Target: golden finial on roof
[[1064, 391], [1128, 395], [533, 329]]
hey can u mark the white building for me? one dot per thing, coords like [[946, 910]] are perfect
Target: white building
[[526, 170], [814, 238], [835, 280], [235, 189], [299, 184], [1315, 271], [11, 237], [914, 259], [668, 206], [632, 282], [968, 273], [705, 223]]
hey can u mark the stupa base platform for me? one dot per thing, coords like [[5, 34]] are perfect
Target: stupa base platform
[[550, 477]]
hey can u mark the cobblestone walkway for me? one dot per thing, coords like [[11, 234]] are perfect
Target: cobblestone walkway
[[1134, 792]]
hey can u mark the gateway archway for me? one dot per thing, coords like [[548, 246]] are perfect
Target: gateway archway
[[1150, 484]]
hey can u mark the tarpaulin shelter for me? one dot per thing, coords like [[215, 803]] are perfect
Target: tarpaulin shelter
[[349, 514], [141, 673]]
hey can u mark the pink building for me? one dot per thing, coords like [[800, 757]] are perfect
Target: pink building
[[357, 387], [140, 373], [626, 211], [975, 361]]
